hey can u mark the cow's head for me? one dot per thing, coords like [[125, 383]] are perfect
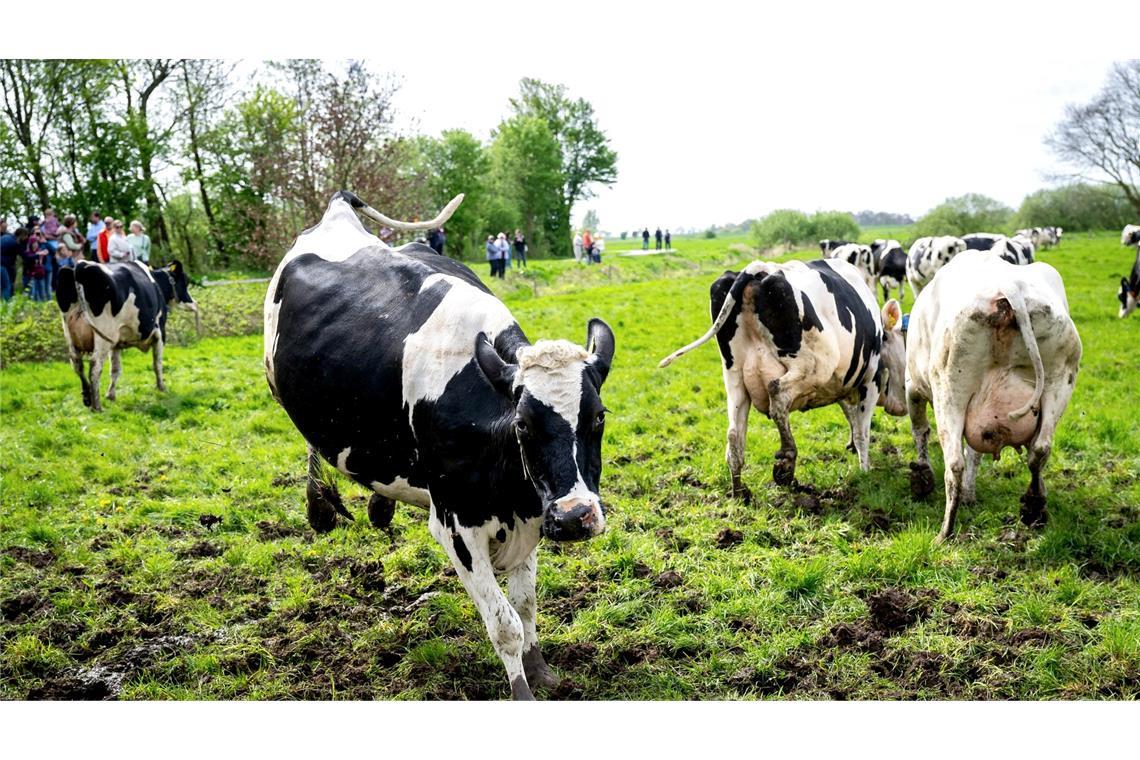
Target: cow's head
[[892, 359], [180, 291], [558, 422], [1128, 294], [947, 247]]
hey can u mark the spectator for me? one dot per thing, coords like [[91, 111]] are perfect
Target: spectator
[[70, 248], [104, 239], [51, 229], [504, 253], [118, 249], [599, 249], [588, 246], [436, 239], [657, 235], [94, 227], [493, 256], [139, 242], [645, 239], [520, 247], [11, 248], [28, 255], [578, 247], [35, 260], [668, 240]]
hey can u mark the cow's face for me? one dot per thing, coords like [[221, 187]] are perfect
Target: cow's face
[[1128, 297], [892, 358], [558, 423], [181, 289]]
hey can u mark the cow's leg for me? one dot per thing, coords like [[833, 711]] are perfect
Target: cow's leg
[[921, 476], [859, 418], [739, 405], [322, 497], [77, 365], [98, 358], [951, 418], [779, 409], [381, 510], [1053, 403], [472, 563], [970, 476], [116, 371], [157, 360], [520, 591]]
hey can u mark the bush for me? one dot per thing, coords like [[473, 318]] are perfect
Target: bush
[[1077, 208], [965, 214], [710, 233], [833, 225], [789, 227]]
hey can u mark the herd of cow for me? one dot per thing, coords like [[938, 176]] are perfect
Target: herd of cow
[[400, 368]]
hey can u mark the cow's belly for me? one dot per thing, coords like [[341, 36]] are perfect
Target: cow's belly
[[988, 428], [400, 489]]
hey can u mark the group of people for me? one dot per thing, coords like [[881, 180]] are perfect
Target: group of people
[[46, 246], [658, 236], [499, 252], [588, 248]]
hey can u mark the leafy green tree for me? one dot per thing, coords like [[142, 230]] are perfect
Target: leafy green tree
[[30, 90], [458, 163], [1077, 207], [526, 161], [590, 221], [833, 225], [587, 160], [782, 227], [965, 214]]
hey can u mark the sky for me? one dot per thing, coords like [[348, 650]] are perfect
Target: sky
[[723, 111]]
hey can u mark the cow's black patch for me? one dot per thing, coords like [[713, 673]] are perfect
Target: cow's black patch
[[461, 552], [853, 316], [501, 535], [65, 293], [718, 292], [775, 303], [811, 319], [114, 284]]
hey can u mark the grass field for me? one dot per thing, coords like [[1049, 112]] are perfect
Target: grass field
[[111, 585]]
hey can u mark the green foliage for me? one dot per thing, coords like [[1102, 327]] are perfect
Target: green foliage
[[457, 162], [590, 220], [788, 227], [1076, 208], [526, 165], [833, 225], [965, 214]]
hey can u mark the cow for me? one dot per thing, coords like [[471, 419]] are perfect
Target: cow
[[992, 348], [1130, 235], [827, 246], [890, 266], [108, 307], [1129, 292], [858, 256], [1028, 248], [1016, 250], [927, 255], [400, 368], [1051, 236], [797, 336]]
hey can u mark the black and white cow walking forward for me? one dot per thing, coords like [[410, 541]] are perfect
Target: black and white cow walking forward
[[108, 307], [1129, 292], [890, 266], [399, 367], [992, 348], [797, 336], [1130, 235], [927, 255]]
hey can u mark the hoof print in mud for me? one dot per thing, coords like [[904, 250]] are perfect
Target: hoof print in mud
[[921, 480]]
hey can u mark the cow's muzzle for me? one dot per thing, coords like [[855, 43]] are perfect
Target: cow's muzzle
[[573, 519]]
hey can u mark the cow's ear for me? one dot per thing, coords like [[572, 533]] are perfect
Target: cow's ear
[[600, 343], [499, 373], [891, 314]]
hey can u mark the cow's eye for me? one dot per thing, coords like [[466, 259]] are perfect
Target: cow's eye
[[600, 420], [521, 427]]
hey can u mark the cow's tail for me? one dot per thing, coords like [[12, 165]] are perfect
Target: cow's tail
[[1017, 303], [729, 302], [396, 224]]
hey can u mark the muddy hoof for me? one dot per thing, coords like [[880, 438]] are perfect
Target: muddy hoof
[[323, 505], [784, 470], [851, 446], [921, 480], [1033, 510], [538, 674], [520, 692], [742, 492], [381, 511], [87, 398]]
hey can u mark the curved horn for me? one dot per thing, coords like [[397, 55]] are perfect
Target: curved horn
[[396, 224]]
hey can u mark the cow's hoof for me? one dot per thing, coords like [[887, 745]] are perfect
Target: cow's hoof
[[381, 511], [538, 673], [742, 492], [851, 446], [943, 537], [161, 388], [921, 480], [1033, 512], [323, 501], [784, 470], [87, 399], [110, 395], [520, 692]]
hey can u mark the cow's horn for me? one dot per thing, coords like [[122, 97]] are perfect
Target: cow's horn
[[396, 224]]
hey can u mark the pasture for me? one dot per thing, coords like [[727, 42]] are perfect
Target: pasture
[[160, 550]]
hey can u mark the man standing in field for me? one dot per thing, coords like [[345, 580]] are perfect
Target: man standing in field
[[668, 241], [645, 239], [657, 235]]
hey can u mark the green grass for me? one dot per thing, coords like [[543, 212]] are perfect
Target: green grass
[[110, 584]]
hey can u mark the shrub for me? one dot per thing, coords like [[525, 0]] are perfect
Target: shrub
[[968, 213], [789, 227], [1077, 208]]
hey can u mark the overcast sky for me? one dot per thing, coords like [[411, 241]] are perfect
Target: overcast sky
[[720, 113]]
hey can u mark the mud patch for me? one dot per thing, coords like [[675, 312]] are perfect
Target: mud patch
[[201, 550], [728, 538], [856, 635], [668, 579], [893, 609], [271, 531], [34, 557], [17, 607]]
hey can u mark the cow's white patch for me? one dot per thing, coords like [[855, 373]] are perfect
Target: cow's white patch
[[445, 342], [551, 371], [342, 461], [401, 490]]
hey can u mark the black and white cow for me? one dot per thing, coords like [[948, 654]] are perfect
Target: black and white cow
[[890, 266], [992, 347], [927, 255], [108, 307], [858, 256], [1129, 292], [1017, 250], [1130, 235], [402, 369], [827, 246], [797, 336]]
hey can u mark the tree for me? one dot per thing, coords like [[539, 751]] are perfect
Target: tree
[[203, 84], [586, 157], [1101, 139], [590, 221], [833, 225], [457, 163], [30, 88], [526, 162], [782, 227], [965, 214], [1077, 207]]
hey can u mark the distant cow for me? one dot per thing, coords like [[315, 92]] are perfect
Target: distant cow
[[797, 336], [403, 370], [1129, 291], [827, 246], [1130, 235], [108, 307], [858, 256], [992, 347], [927, 255], [1016, 250], [890, 266]]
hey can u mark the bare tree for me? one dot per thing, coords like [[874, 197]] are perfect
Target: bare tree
[[1101, 139]]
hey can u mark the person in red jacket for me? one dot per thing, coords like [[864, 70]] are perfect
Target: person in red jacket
[[104, 238], [588, 246]]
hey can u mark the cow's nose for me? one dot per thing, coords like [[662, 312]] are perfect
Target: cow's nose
[[574, 519]]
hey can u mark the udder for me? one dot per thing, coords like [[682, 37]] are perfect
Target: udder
[[989, 428]]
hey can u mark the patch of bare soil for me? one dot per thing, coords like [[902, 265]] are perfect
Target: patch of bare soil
[[668, 579], [17, 607], [893, 609], [35, 557], [728, 537], [271, 531]]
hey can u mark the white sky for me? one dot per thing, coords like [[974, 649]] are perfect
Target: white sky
[[720, 112]]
